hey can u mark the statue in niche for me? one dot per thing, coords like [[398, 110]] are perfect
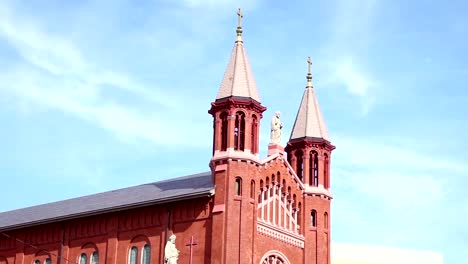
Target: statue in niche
[[276, 126], [171, 254]]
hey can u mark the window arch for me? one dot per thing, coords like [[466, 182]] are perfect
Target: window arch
[[313, 168], [313, 218], [224, 130], [238, 186], [254, 135], [132, 256], [146, 254], [299, 164], [239, 131]]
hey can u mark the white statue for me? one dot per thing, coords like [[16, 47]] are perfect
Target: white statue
[[276, 126], [171, 254]]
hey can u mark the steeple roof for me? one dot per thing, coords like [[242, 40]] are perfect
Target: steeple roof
[[309, 120], [238, 79]]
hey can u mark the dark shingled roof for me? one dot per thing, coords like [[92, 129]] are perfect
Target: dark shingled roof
[[191, 186]]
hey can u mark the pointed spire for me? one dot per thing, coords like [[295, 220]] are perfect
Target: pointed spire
[[309, 120], [238, 79]]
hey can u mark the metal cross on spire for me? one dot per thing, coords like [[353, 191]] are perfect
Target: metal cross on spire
[[239, 25], [239, 17], [309, 72]]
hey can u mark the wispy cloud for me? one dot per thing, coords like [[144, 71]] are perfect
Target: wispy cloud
[[357, 83], [351, 33], [394, 192], [55, 74]]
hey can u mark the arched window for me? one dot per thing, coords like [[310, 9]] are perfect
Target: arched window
[[95, 258], [145, 259], [313, 218], [37, 261], [325, 220], [254, 135], [325, 171], [224, 130], [313, 168], [299, 218], [274, 257], [238, 186], [261, 192], [48, 261], [239, 131], [299, 166], [132, 256], [252, 189], [83, 259]]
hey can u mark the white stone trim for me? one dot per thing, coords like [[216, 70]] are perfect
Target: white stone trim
[[280, 234]]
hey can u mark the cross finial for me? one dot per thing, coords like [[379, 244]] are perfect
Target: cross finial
[[239, 17], [239, 25], [309, 62], [309, 72]]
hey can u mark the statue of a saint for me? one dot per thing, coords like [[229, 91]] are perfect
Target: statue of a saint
[[276, 126], [171, 254]]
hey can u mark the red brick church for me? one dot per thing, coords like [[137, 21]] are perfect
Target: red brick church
[[246, 209]]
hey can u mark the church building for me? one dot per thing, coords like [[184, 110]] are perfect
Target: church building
[[245, 209]]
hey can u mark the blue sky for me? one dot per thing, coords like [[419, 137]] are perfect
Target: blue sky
[[99, 95]]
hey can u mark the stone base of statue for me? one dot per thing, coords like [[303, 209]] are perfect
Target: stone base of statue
[[275, 148]]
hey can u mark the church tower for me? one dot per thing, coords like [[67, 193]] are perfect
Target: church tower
[[236, 112], [237, 109], [309, 153]]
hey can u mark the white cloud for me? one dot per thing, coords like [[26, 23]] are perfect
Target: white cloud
[[356, 81]]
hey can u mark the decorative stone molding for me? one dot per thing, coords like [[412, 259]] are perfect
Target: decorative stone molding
[[282, 235]]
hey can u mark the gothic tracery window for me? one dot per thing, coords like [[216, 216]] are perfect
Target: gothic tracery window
[[273, 259]]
